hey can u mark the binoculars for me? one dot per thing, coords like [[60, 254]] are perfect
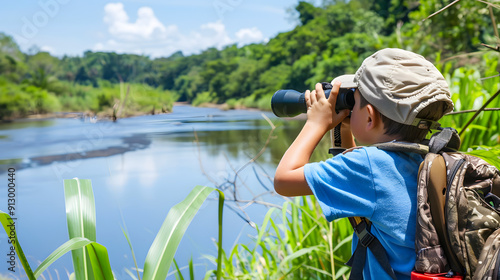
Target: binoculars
[[290, 103]]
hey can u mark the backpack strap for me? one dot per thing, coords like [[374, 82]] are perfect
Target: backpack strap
[[445, 140], [366, 240], [401, 146], [436, 193]]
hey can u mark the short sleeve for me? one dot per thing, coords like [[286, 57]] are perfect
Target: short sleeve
[[343, 185]]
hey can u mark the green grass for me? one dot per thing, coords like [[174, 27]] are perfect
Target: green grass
[[294, 243]]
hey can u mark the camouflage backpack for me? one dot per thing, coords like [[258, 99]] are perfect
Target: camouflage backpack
[[458, 213], [458, 217]]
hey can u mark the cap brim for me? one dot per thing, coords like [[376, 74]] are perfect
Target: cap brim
[[347, 81]]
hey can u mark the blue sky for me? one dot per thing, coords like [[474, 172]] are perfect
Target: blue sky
[[153, 27]]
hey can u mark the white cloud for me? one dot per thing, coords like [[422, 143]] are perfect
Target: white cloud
[[249, 35], [147, 26], [147, 35], [48, 49]]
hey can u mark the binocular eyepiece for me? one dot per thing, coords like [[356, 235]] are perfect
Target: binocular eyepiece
[[290, 103]]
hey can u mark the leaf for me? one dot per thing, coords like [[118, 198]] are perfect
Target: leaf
[[9, 227], [81, 219], [295, 255], [100, 261], [262, 231], [179, 273], [162, 251], [490, 155], [131, 274], [191, 269], [98, 257], [72, 244]]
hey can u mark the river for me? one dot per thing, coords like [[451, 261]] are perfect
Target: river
[[140, 167]]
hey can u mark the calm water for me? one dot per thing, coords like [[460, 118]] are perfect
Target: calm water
[[140, 167]]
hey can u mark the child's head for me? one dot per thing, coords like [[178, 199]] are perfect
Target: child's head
[[407, 90]]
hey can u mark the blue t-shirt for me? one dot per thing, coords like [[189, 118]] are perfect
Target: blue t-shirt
[[379, 185]]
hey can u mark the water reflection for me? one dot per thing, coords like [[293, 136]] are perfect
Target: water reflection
[[20, 124]]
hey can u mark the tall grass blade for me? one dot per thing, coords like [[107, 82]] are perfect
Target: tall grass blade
[[191, 269], [99, 261], [81, 219], [296, 255], [72, 244], [262, 231], [219, 247], [7, 223], [179, 275], [129, 273], [125, 232], [162, 251]]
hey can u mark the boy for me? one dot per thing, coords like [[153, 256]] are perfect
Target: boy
[[398, 96]]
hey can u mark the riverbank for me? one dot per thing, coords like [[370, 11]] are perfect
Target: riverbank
[[111, 114], [104, 115]]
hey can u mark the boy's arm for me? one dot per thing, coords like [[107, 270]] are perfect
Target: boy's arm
[[289, 179]]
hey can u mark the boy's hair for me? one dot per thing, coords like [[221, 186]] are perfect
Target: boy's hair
[[410, 133]]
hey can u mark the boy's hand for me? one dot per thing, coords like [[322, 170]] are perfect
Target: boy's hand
[[289, 179], [321, 111]]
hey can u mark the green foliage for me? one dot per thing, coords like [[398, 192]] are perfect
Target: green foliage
[[297, 243], [470, 92], [489, 154], [21, 100], [205, 97]]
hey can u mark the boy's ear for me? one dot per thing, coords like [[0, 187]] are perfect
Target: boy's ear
[[373, 115]]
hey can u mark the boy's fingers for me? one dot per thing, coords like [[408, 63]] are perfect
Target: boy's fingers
[[319, 91], [313, 98], [307, 97], [333, 94], [343, 114], [338, 118]]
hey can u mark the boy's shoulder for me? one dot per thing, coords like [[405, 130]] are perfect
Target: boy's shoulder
[[376, 156], [374, 150]]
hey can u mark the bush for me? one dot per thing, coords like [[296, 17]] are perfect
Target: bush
[[18, 101], [204, 97]]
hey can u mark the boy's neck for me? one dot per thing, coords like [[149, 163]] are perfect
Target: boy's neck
[[385, 138], [378, 135]]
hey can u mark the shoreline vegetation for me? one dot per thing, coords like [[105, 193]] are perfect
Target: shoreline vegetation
[[109, 115]]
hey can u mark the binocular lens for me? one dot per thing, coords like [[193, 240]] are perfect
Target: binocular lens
[[290, 103]]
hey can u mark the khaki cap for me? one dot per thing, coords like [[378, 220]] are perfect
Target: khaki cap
[[399, 84]]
